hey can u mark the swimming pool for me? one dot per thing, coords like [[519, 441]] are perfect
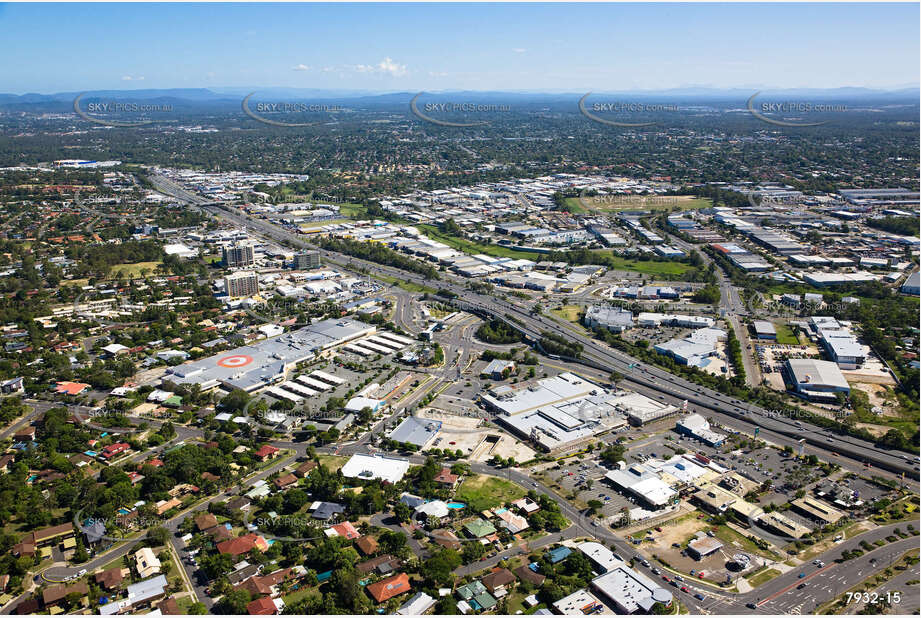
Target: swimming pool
[[123, 511], [456, 505]]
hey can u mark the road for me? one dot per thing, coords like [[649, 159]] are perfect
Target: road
[[646, 379]]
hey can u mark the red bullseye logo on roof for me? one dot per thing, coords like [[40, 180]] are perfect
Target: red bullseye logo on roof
[[238, 360]]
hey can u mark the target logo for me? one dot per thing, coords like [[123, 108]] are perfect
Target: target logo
[[238, 360]]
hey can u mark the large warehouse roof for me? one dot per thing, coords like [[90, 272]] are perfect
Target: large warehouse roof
[[255, 366], [816, 373]]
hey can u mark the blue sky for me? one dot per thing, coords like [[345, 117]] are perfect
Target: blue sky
[[396, 47]]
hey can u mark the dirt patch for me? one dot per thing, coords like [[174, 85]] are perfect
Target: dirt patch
[[477, 442], [876, 430]]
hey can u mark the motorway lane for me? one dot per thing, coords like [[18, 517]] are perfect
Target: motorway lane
[[830, 581]]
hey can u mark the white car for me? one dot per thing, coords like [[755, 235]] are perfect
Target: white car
[[81, 573]]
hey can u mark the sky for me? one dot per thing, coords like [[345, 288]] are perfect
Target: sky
[[50, 48]]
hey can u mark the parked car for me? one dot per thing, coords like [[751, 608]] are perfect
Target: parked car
[[699, 597]]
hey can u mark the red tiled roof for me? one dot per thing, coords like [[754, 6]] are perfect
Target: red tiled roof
[[266, 450], [242, 544], [261, 607], [389, 588]]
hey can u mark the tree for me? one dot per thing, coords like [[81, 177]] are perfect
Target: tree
[[402, 512], [158, 536], [472, 552], [235, 401], [347, 589], [438, 568], [234, 602]]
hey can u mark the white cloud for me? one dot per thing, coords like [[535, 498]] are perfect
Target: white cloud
[[128, 78], [387, 66], [519, 50], [300, 67]]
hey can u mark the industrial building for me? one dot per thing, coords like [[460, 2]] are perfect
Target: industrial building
[[614, 319], [695, 349], [640, 482], [417, 431], [816, 380], [703, 546], [765, 330], [697, 427], [266, 362], [912, 285], [387, 469], [508, 400], [557, 413], [784, 525], [630, 592], [640, 409]]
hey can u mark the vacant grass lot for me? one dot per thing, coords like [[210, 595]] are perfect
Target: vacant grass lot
[[763, 577], [409, 286], [472, 248], [570, 313], [785, 335], [483, 492], [616, 203], [352, 211], [134, 270], [332, 462], [648, 268]]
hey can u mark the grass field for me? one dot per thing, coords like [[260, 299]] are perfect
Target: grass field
[[648, 268], [333, 462], [570, 313], [785, 335], [729, 536], [483, 492], [134, 270], [406, 285], [616, 203], [763, 577], [352, 211], [298, 595], [472, 248]]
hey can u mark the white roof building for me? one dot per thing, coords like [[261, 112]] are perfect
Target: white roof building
[[389, 469]]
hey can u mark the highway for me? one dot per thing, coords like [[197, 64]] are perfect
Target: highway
[[644, 378]]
